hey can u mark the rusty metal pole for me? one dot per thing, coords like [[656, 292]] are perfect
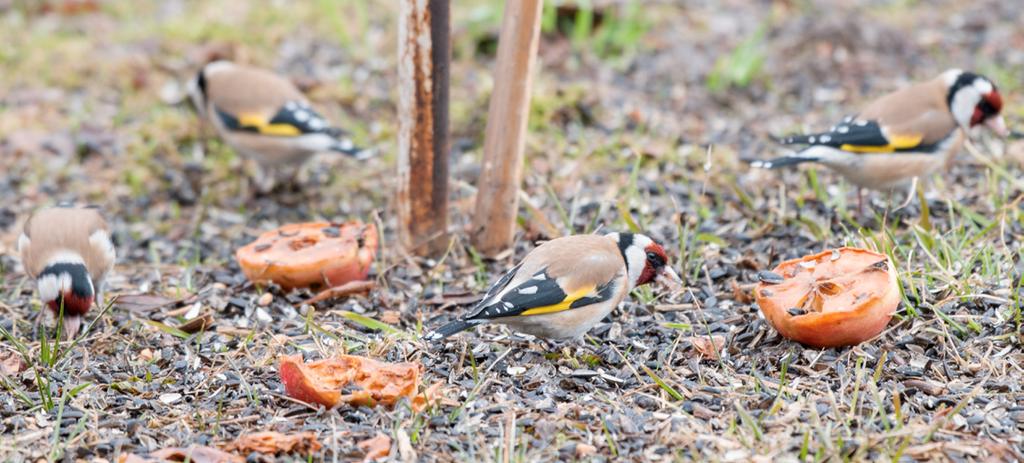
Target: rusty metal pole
[[424, 56], [497, 201]]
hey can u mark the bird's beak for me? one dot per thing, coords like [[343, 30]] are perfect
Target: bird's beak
[[669, 278], [998, 125], [72, 323]]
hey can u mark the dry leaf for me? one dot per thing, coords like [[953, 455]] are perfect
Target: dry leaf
[[194, 454], [391, 317], [11, 363], [273, 443], [376, 447], [352, 287], [709, 348], [195, 325], [741, 294], [375, 382]]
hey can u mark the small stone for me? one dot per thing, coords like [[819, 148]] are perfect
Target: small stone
[[515, 371], [263, 316], [170, 397], [585, 450], [265, 299]]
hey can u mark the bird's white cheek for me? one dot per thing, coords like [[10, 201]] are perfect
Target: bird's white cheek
[[637, 260], [51, 286], [963, 105]]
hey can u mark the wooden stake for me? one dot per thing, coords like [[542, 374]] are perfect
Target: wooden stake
[[424, 55], [497, 200]]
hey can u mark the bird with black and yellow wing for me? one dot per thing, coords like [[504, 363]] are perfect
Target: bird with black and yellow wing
[[264, 117], [567, 285], [910, 133]]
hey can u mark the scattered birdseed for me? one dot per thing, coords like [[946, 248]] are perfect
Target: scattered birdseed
[[771, 278]]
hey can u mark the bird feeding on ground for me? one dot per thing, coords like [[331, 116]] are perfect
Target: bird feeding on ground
[[263, 117], [905, 135], [565, 286], [68, 251]]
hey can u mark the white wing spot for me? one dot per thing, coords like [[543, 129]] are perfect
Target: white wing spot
[[811, 139], [528, 290], [508, 305], [291, 106], [826, 138], [301, 116], [843, 129], [862, 123], [540, 277]]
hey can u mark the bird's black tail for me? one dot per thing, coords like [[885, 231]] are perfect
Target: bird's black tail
[[796, 139], [448, 330], [343, 144], [784, 161]]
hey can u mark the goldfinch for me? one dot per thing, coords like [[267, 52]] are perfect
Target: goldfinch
[[265, 118], [909, 133], [566, 285], [68, 251]]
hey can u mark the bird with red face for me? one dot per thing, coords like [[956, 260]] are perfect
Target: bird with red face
[[68, 251], [910, 133], [567, 285]]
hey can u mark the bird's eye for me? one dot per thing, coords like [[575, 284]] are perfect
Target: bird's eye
[[987, 108], [655, 259]]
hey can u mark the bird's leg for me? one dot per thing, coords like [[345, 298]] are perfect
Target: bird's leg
[[860, 201], [910, 195], [262, 180], [37, 321]]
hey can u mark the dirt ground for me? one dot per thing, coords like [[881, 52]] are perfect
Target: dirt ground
[[624, 113]]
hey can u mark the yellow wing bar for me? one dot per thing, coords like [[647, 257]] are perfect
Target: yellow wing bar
[[263, 126], [896, 143], [564, 305]]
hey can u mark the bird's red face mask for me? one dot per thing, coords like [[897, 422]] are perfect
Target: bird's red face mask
[[656, 268], [74, 304], [67, 285], [987, 112]]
